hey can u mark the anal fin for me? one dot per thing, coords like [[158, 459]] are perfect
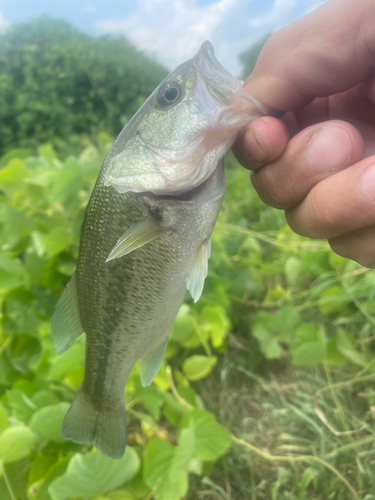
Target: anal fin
[[195, 280], [150, 364], [66, 323], [136, 236]]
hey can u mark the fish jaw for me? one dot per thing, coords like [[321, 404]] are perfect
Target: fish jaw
[[171, 150]]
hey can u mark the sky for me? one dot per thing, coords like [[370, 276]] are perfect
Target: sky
[[170, 30]]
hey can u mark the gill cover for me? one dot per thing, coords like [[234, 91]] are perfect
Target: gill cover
[[175, 140]]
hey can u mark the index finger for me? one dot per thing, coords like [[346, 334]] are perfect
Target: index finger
[[328, 51]]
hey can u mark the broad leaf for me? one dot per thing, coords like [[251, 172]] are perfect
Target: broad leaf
[[210, 439], [16, 443], [94, 474]]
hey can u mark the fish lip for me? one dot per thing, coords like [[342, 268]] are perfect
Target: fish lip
[[207, 54], [207, 66]]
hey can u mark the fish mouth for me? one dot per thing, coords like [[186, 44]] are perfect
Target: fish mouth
[[220, 84]]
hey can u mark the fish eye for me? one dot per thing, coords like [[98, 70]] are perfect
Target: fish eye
[[169, 94]]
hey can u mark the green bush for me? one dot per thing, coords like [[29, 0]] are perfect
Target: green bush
[[56, 83]]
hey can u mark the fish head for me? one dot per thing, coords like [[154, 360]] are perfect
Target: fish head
[[175, 140]]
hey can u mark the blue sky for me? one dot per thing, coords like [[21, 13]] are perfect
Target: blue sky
[[170, 30]]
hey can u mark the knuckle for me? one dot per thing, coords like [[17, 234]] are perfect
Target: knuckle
[[271, 189], [321, 217], [311, 218]]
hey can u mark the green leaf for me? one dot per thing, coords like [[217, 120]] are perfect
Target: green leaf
[[11, 274], [346, 346], [183, 454], [210, 439], [150, 397], [39, 468], [12, 176], [56, 470], [308, 475], [293, 270], [4, 423], [16, 443], [185, 328], [21, 405], [120, 495], [285, 323], [20, 317], [269, 345], [94, 474], [305, 333], [333, 300], [56, 241], [16, 473], [163, 469], [215, 323], [48, 420], [62, 365], [333, 356], [309, 354], [197, 366]]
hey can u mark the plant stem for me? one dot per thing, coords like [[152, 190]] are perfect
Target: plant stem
[[301, 458], [264, 454], [7, 482], [181, 400], [335, 400]]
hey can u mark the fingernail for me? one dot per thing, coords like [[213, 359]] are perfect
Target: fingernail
[[368, 182], [329, 149]]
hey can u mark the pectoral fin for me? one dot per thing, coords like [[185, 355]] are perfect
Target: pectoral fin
[[198, 273], [136, 236], [150, 365], [66, 323]]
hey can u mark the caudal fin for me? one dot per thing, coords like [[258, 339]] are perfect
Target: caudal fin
[[104, 427]]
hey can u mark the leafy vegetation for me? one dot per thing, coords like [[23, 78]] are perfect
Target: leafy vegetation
[[265, 391], [57, 83]]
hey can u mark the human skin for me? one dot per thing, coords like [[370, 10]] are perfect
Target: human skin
[[318, 162]]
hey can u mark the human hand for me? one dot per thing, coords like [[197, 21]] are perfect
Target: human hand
[[318, 162]]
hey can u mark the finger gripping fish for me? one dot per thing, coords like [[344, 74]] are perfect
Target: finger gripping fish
[[145, 239]]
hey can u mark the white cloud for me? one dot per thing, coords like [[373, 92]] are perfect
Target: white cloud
[[276, 16], [173, 30], [170, 30], [4, 23]]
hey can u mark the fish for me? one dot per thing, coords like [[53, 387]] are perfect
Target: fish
[[145, 239]]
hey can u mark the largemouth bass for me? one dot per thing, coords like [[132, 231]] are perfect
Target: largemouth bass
[[145, 239]]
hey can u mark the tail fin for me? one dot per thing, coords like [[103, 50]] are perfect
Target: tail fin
[[103, 427]]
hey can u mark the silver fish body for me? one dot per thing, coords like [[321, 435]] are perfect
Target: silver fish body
[[145, 239]]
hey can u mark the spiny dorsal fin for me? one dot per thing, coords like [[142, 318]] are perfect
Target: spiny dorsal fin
[[195, 280], [66, 323], [136, 236], [150, 364]]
